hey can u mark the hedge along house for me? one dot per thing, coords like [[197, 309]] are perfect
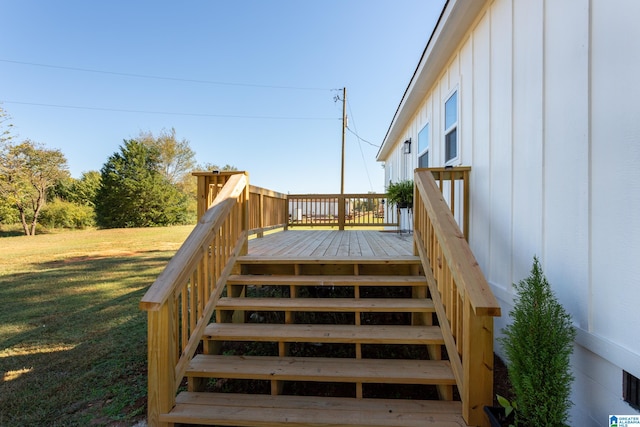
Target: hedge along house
[[540, 99]]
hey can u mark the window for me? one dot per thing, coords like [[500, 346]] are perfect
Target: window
[[631, 389], [423, 147], [451, 128]]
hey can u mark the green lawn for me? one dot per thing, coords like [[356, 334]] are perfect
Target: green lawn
[[72, 338]]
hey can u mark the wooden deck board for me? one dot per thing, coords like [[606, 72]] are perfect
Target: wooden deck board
[[332, 243]]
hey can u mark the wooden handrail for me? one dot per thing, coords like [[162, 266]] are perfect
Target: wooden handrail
[[183, 298], [457, 179], [464, 302]]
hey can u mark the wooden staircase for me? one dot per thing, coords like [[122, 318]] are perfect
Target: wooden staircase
[[342, 342]]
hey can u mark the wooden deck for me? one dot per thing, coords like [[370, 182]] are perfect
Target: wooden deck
[[332, 243], [302, 289]]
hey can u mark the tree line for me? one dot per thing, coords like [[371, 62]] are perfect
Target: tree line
[[146, 183]]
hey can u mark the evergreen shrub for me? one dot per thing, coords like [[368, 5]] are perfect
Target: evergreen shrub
[[538, 345]]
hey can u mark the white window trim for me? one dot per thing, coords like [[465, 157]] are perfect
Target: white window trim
[[427, 150], [455, 160]]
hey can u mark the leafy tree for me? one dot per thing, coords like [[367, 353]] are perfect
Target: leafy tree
[[62, 214], [5, 127], [8, 212], [176, 159], [81, 191], [133, 193], [27, 171], [214, 167]]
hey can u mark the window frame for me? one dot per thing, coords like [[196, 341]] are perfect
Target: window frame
[[454, 127], [426, 151]]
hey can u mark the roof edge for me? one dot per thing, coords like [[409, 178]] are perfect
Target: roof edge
[[452, 25]]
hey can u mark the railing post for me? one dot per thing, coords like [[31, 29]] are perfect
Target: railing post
[[260, 215], [202, 194], [161, 344], [342, 212], [287, 215], [466, 207], [245, 215], [477, 366]]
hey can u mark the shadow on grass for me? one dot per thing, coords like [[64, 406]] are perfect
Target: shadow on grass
[[10, 233], [16, 230], [73, 333]]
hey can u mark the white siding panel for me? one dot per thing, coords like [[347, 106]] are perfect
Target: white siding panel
[[527, 135], [566, 168], [596, 390], [501, 136], [453, 74], [480, 214], [616, 173], [436, 130], [466, 106], [549, 123]]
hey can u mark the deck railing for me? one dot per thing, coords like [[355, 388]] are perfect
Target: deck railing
[[464, 302], [341, 210], [267, 210], [181, 301], [453, 183]]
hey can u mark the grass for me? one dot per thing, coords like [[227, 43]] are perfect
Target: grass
[[72, 338]]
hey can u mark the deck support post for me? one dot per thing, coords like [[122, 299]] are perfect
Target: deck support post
[[161, 364], [477, 363]]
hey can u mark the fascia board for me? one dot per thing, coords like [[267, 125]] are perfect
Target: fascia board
[[454, 22]]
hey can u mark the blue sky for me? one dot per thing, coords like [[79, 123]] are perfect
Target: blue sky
[[247, 83]]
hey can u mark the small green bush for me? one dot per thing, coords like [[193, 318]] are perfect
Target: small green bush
[[538, 344], [8, 213], [61, 214]]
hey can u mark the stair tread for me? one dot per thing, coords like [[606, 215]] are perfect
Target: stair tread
[[384, 371], [328, 304], [367, 334], [298, 411], [327, 280]]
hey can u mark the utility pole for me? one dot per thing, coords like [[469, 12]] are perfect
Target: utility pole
[[344, 127]]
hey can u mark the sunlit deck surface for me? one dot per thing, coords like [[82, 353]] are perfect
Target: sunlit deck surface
[[333, 243]]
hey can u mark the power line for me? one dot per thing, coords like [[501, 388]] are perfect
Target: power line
[[169, 113], [362, 139], [149, 76]]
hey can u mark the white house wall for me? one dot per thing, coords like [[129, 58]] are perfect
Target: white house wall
[[549, 120]]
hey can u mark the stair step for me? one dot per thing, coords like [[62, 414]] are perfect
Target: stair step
[[381, 371], [350, 334], [387, 265], [364, 305], [394, 259], [310, 411], [329, 280]]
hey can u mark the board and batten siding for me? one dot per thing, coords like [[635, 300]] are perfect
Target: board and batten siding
[[549, 120]]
